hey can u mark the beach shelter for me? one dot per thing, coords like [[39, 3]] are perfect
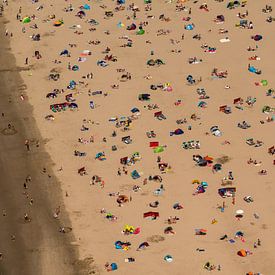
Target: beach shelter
[[151, 214], [81, 14], [26, 20], [143, 245], [120, 2], [64, 52], [120, 24], [140, 32], [168, 258], [238, 100], [189, 27], [267, 109], [75, 68], [73, 106], [257, 37], [122, 199], [200, 231], [227, 192], [131, 27], [242, 253], [86, 7], [135, 175], [178, 131], [202, 104], [252, 69], [159, 149], [58, 23], [93, 22], [220, 18], [113, 266]]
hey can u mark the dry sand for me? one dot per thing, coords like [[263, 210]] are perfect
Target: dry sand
[[95, 236]]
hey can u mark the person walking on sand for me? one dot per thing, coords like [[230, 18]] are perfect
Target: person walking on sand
[[26, 61], [27, 144]]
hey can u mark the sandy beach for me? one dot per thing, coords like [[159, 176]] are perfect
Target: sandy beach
[[201, 64], [36, 247]]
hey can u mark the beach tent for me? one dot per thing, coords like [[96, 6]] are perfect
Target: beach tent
[[120, 2], [153, 144], [64, 52], [135, 175], [144, 97], [135, 110], [26, 20], [233, 4]]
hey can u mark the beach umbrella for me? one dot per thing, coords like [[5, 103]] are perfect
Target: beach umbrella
[[26, 20]]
